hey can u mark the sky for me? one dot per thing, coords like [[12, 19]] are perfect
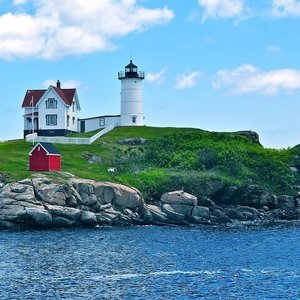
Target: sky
[[218, 65]]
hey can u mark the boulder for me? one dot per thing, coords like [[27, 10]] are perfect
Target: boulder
[[286, 202], [49, 192], [179, 197], [38, 217], [172, 214], [181, 208], [158, 216], [146, 214], [201, 212], [69, 213], [61, 222], [12, 212], [88, 218], [126, 197], [249, 134], [219, 217], [132, 141]]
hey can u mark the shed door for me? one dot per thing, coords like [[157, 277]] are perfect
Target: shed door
[[82, 126]]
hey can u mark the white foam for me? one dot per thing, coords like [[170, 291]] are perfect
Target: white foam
[[157, 274]]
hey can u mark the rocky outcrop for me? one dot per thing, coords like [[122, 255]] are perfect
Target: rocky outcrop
[[132, 141], [42, 202], [251, 135]]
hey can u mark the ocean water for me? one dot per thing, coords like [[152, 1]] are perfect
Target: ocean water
[[151, 263]]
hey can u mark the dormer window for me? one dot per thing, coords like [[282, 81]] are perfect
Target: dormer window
[[51, 103]]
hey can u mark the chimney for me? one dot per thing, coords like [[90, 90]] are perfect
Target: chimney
[[58, 84]]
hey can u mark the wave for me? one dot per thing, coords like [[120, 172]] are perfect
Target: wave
[[158, 274]]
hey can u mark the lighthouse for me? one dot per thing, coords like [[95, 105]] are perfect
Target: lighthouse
[[131, 96]]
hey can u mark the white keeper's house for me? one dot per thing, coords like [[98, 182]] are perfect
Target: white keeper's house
[[55, 111]]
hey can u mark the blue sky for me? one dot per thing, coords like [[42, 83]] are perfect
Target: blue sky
[[218, 65]]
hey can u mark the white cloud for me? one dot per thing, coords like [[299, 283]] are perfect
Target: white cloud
[[285, 8], [274, 49], [221, 8], [18, 2], [68, 27], [248, 79], [68, 84], [156, 77], [188, 80]]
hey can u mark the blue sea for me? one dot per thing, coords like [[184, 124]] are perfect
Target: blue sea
[[151, 263]]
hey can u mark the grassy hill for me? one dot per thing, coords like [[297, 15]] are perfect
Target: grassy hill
[[171, 158]]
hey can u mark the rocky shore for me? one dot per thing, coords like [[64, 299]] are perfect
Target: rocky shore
[[43, 202]]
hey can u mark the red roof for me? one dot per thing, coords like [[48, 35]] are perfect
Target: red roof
[[67, 95]]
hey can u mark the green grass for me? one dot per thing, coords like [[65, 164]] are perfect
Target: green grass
[[172, 158]]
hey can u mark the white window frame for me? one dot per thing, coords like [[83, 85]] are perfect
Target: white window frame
[[51, 103], [51, 120]]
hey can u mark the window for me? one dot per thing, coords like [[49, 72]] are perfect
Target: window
[[73, 120], [51, 103], [68, 120], [133, 119], [51, 120], [102, 122], [73, 106]]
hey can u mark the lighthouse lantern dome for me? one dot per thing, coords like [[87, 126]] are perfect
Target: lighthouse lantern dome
[[131, 71]]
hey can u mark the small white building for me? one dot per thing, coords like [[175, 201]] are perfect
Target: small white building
[[54, 111]]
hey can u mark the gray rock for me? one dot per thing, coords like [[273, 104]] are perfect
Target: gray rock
[[72, 201], [132, 141], [126, 197], [39, 217], [172, 214], [146, 215], [286, 202], [158, 216], [61, 222], [249, 134], [88, 199], [92, 159], [18, 188], [105, 206], [181, 208], [50, 192], [108, 216], [12, 225], [88, 218], [12, 212], [179, 197], [108, 195], [69, 213], [26, 181], [103, 220], [200, 212], [219, 217]]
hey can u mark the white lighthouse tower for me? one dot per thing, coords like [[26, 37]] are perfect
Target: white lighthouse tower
[[131, 96]]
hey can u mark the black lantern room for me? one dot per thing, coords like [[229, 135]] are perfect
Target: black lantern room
[[131, 71]]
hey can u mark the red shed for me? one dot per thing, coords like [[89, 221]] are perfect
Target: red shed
[[44, 157]]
